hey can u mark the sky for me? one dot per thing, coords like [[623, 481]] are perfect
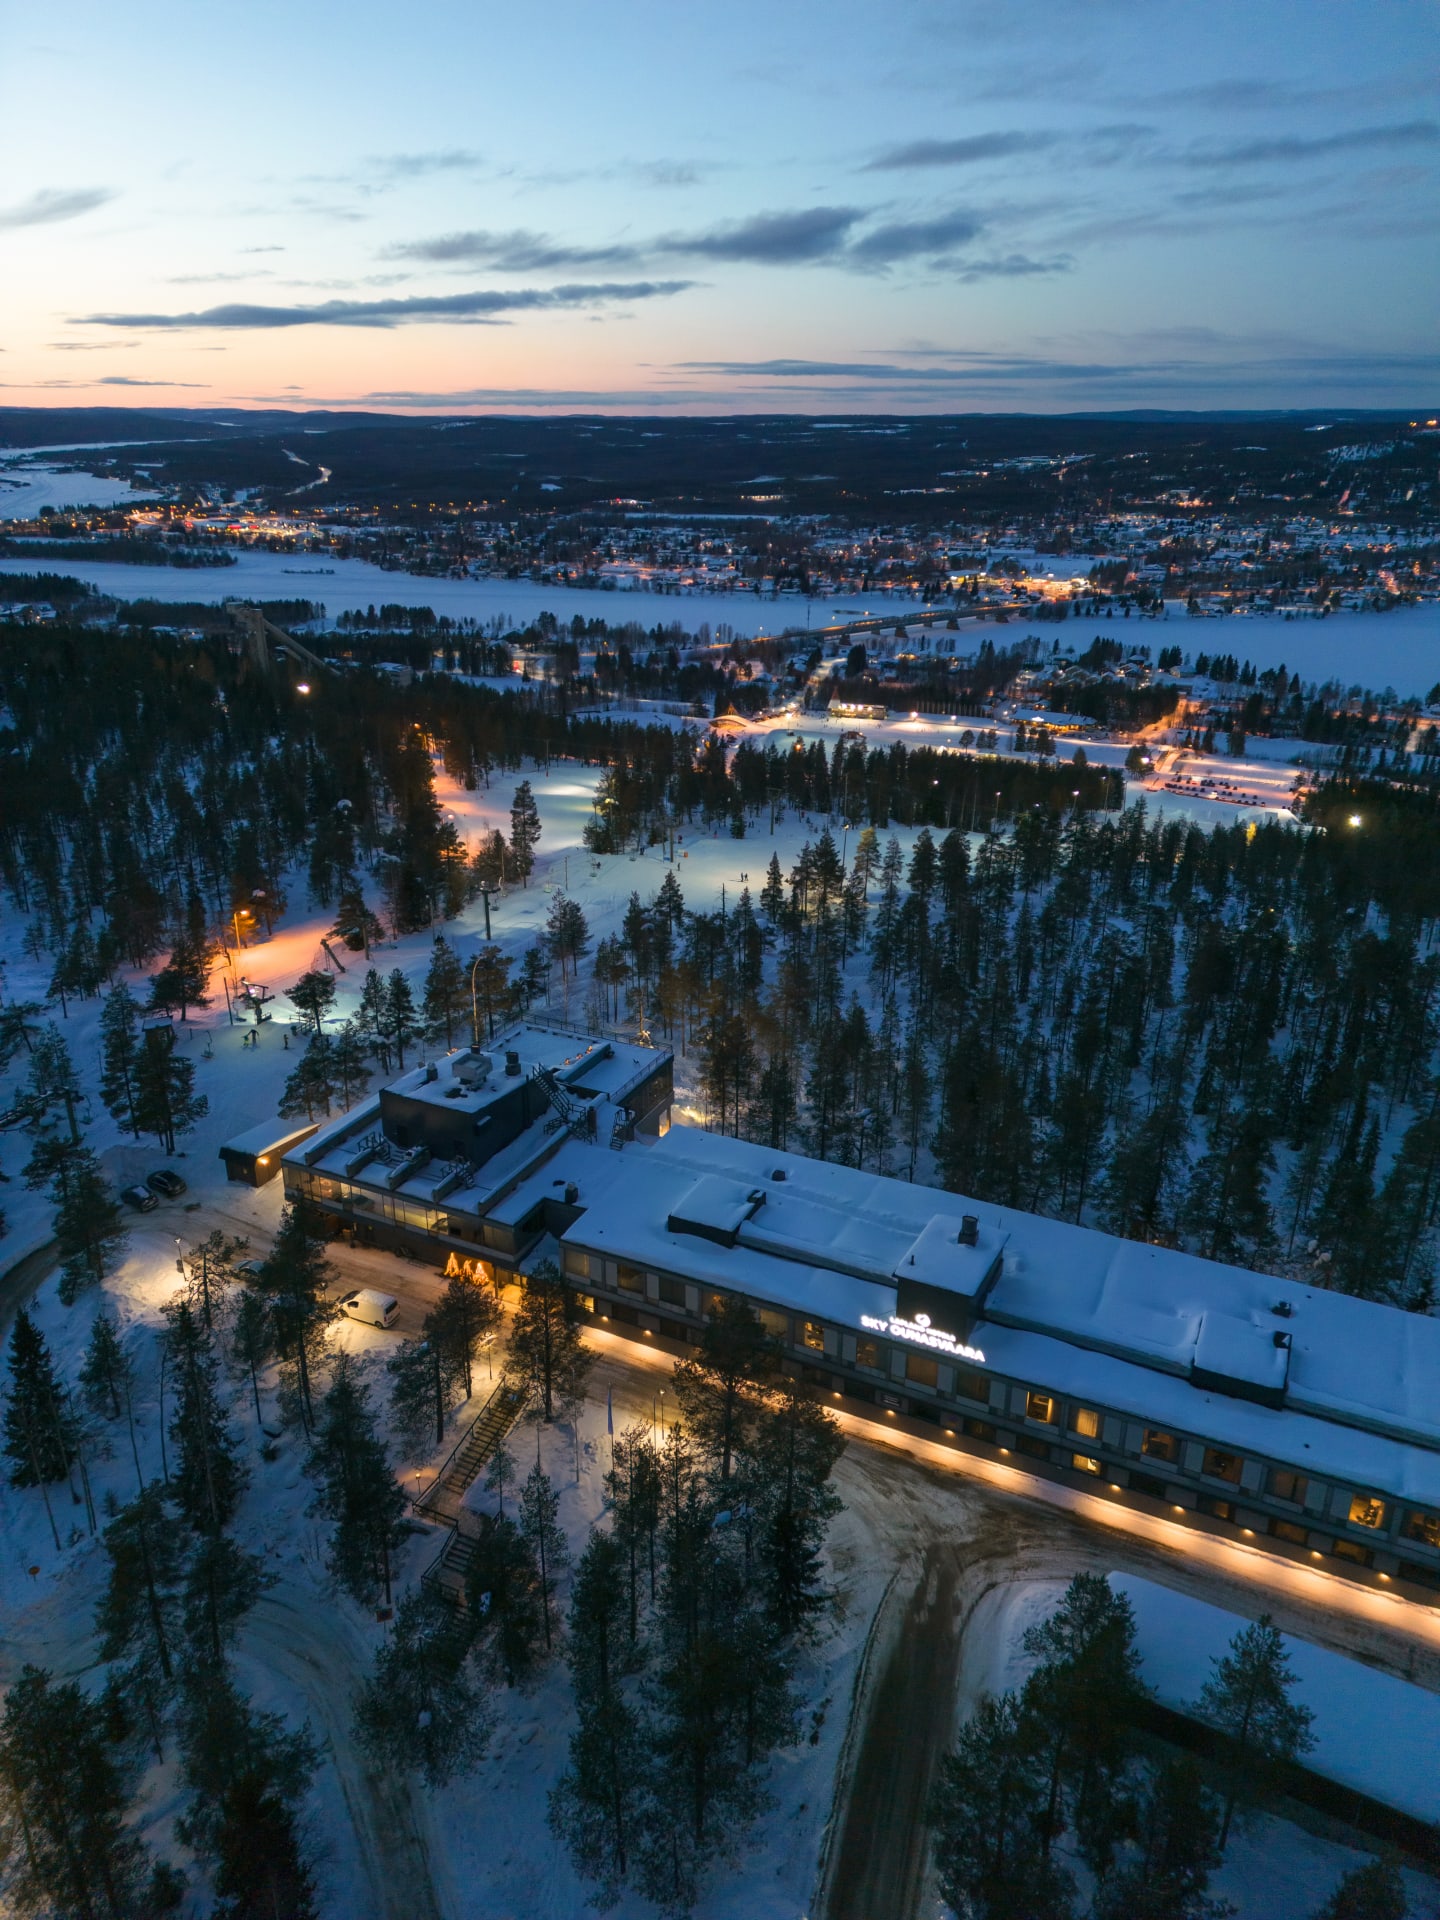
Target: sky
[[1025, 205]]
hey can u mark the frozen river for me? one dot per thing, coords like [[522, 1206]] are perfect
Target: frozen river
[[1400, 649]]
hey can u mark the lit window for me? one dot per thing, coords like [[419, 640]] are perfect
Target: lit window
[[775, 1324], [1282, 1484], [1086, 1422], [1040, 1406], [1222, 1466], [812, 1335], [1424, 1527], [867, 1354], [586, 1302], [1084, 1463], [1367, 1511], [1159, 1446]]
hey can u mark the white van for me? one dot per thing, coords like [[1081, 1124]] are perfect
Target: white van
[[375, 1309]]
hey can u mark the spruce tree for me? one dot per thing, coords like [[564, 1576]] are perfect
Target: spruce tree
[[489, 977], [88, 1229], [402, 1024], [38, 1442], [63, 1797], [539, 1506], [505, 1597], [51, 1078], [225, 1742], [207, 1479], [355, 1489], [447, 993], [1177, 1827], [222, 1584], [373, 1015], [311, 1084], [166, 1103], [459, 1324], [355, 924], [1247, 1697], [524, 832], [793, 1453], [261, 1872], [547, 1354], [120, 1046]]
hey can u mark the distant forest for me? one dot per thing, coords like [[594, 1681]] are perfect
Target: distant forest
[[1222, 1040]]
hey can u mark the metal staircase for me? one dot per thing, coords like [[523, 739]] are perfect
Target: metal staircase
[[442, 1499]]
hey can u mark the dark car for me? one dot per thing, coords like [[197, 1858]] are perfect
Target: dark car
[[164, 1182], [140, 1198]]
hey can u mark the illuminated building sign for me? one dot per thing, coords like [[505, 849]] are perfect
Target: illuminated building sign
[[920, 1333]]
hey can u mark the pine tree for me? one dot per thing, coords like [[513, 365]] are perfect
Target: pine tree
[[988, 1811], [524, 832], [138, 1620], [222, 1584], [38, 1442], [595, 1805], [295, 1281], [1372, 1892], [373, 1015], [504, 1595], [1082, 1697], [633, 1486], [350, 1077], [181, 982], [423, 1709], [52, 1078], [1247, 1697], [539, 1506], [547, 1354], [355, 1489], [311, 1084], [63, 1800], [211, 1271], [104, 1372], [207, 1479], [491, 990], [225, 1743], [720, 1387], [447, 993], [314, 994], [1177, 1833], [253, 1341], [793, 1453], [120, 1045], [424, 1388], [459, 1325], [166, 1103], [355, 924]]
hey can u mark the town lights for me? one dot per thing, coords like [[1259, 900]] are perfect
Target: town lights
[[1354, 819]]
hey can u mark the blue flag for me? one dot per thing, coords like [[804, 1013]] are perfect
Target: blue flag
[[609, 1413]]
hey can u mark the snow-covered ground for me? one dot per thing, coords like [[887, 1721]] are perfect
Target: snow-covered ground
[[28, 486]]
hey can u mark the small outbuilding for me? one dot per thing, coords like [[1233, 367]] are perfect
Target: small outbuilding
[[253, 1157]]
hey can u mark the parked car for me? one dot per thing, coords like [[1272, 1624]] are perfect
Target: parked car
[[169, 1185], [375, 1309], [249, 1270], [140, 1198]]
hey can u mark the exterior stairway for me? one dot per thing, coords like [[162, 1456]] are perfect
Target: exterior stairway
[[442, 1499]]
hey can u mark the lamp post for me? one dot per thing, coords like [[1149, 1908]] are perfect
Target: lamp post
[[487, 887]]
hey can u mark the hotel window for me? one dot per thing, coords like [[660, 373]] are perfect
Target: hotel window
[[1159, 1446], [1085, 1463], [631, 1279], [920, 1368], [1289, 1530], [1086, 1422], [867, 1354], [1282, 1484], [672, 1292], [971, 1385], [812, 1335], [777, 1325], [1222, 1466], [577, 1263], [1367, 1511], [1041, 1407], [585, 1302], [1424, 1527], [1352, 1550]]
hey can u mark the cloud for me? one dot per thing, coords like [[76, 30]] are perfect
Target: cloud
[[1013, 266], [1292, 148], [770, 239], [211, 279], [964, 152], [908, 239], [124, 380], [476, 308], [519, 251], [415, 166], [667, 173], [108, 380], [51, 204]]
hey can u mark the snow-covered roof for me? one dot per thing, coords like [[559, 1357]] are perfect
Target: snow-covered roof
[[473, 1078], [271, 1136], [1163, 1334]]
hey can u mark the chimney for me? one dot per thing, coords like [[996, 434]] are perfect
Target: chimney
[[969, 1235]]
